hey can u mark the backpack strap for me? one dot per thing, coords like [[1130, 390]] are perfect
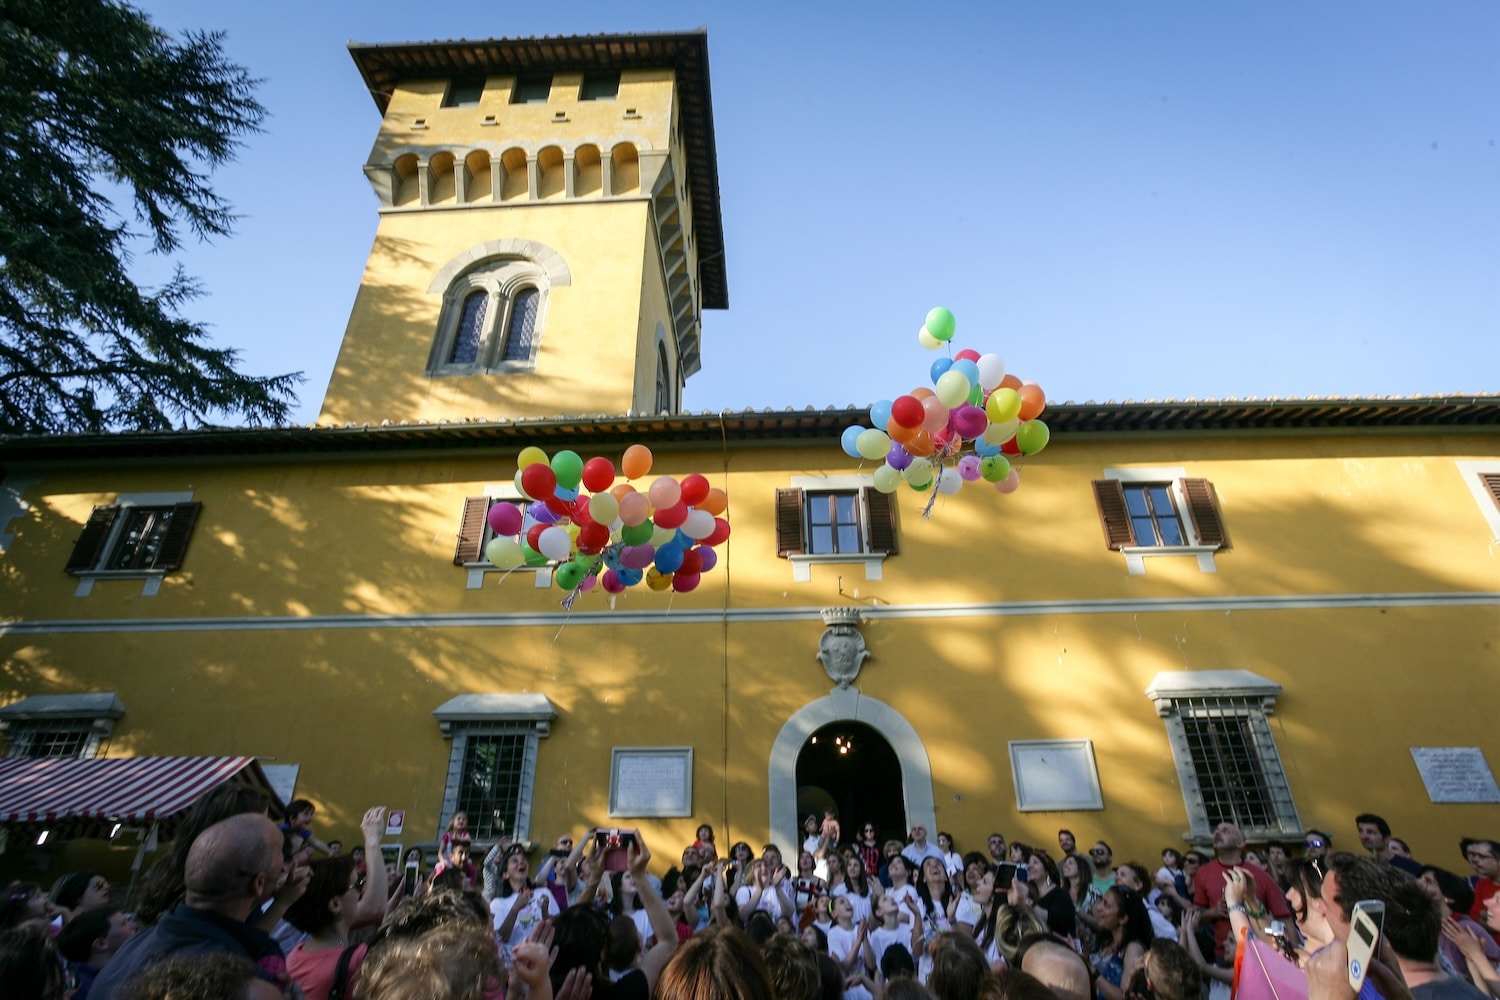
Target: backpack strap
[[341, 974]]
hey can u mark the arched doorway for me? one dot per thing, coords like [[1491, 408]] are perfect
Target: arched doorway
[[846, 705], [851, 766]]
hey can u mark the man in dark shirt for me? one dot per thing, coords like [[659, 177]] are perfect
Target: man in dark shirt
[[1375, 835], [232, 867]]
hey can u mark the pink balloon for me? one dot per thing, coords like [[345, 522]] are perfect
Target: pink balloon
[[1010, 483], [588, 583], [612, 583], [968, 468], [937, 415], [638, 556], [634, 509], [664, 492], [505, 519], [969, 421]]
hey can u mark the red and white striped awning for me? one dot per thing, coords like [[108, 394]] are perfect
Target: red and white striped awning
[[70, 792]]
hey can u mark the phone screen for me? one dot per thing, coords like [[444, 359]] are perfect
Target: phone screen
[[411, 878]]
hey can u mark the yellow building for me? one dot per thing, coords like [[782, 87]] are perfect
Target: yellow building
[[1290, 606]]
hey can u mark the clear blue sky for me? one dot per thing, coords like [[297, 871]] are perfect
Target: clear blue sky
[[1125, 200]]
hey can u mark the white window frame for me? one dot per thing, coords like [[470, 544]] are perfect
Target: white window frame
[[1248, 695], [498, 714], [152, 577], [1171, 476], [1471, 471], [477, 570], [39, 714], [873, 562], [501, 280]]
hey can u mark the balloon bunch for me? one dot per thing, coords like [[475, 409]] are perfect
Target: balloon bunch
[[616, 537], [965, 428]]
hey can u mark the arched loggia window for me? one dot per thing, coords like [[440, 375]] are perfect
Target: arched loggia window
[[491, 320]]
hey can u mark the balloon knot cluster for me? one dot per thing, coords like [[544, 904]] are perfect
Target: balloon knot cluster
[[966, 427], [615, 536]]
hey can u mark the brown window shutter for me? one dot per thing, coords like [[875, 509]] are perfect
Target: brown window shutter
[[789, 532], [1113, 515], [471, 531], [174, 542], [1491, 481], [1203, 508], [89, 549], [881, 509]]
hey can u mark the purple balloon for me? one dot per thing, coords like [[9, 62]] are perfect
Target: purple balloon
[[542, 514], [709, 556], [638, 556], [970, 421], [968, 468], [505, 519], [898, 458]]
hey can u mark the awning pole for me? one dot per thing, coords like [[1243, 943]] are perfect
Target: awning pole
[[147, 842]]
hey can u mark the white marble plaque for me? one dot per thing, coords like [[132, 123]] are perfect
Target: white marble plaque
[[1456, 774], [1055, 775], [651, 781]]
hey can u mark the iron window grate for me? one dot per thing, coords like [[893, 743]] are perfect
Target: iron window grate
[[490, 789], [1227, 761], [56, 739]]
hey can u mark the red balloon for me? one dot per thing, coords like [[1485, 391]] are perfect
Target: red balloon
[[671, 517], [943, 439], [1010, 447], [692, 563], [721, 532], [907, 411], [967, 354], [593, 538], [581, 515], [535, 532], [684, 582], [694, 489], [539, 481], [598, 474], [558, 505]]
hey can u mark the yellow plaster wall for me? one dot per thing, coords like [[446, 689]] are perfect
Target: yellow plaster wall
[[343, 543]]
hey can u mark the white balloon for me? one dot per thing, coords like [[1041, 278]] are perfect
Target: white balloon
[[699, 524], [991, 370], [555, 543], [950, 481]]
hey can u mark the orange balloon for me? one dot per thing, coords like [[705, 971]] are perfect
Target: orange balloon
[[620, 489], [1033, 400], [899, 433], [1010, 382], [922, 445], [921, 392], [716, 502], [636, 461]]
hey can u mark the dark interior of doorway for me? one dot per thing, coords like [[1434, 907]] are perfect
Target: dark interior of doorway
[[852, 766]]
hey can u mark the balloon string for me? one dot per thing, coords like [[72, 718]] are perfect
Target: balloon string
[[937, 476]]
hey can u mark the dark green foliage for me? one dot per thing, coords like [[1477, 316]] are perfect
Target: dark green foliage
[[97, 103]]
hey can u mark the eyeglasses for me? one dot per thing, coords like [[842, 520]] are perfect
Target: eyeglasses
[[1313, 842], [1191, 861], [1098, 852]]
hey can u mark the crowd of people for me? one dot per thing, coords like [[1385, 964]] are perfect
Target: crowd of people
[[241, 906]]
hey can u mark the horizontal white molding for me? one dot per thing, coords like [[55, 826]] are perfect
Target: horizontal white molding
[[667, 616]]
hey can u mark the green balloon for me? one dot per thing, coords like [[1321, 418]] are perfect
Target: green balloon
[[568, 467], [532, 556], [976, 395], [1032, 437], [994, 468], [569, 575], [940, 323], [637, 534]]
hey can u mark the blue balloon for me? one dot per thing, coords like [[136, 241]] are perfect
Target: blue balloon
[[669, 557], [880, 414], [682, 539], [849, 439], [565, 493], [940, 366], [984, 449], [970, 370], [630, 577]]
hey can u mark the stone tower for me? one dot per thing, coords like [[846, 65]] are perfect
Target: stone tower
[[549, 230]]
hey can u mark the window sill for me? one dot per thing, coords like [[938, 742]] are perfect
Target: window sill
[[1135, 556], [152, 578], [802, 564], [478, 570]]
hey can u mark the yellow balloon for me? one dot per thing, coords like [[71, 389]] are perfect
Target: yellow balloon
[[656, 580], [1004, 404], [530, 455]]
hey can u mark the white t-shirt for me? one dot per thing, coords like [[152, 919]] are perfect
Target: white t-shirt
[[526, 919], [881, 939], [769, 901], [863, 906], [901, 895], [968, 911], [840, 941]]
